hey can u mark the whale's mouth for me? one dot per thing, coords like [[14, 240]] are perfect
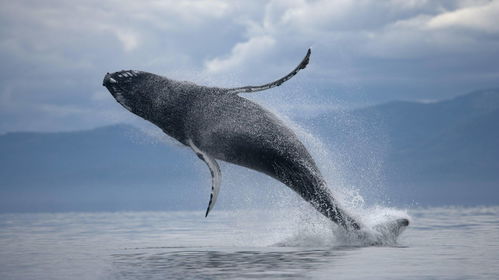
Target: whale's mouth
[[117, 83], [123, 76]]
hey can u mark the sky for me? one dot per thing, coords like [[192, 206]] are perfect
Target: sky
[[54, 53]]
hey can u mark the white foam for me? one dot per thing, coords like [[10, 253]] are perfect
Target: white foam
[[307, 228]]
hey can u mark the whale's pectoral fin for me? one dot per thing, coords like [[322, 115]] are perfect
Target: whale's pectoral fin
[[277, 83], [216, 175]]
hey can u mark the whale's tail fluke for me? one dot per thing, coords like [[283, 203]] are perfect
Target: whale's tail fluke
[[277, 83]]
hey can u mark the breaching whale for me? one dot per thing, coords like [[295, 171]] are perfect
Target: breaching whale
[[218, 124]]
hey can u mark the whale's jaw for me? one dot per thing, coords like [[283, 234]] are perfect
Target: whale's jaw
[[118, 84]]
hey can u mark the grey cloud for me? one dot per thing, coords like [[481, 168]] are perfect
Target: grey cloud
[[54, 53]]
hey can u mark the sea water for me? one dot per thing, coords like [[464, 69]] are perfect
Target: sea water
[[440, 243]]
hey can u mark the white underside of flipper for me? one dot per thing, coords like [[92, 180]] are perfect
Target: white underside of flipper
[[216, 175]]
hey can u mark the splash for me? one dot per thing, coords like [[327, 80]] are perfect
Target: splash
[[381, 225]]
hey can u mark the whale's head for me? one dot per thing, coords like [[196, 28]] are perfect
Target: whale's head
[[133, 90]]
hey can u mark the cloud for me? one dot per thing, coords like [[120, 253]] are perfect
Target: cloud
[[129, 40], [55, 52], [373, 29], [242, 53], [482, 18]]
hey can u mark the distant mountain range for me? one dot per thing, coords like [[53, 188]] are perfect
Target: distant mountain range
[[440, 153], [101, 169]]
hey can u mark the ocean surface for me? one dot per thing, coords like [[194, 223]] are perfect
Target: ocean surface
[[440, 243]]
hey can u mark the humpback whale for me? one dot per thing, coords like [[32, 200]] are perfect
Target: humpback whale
[[218, 124]]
